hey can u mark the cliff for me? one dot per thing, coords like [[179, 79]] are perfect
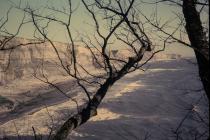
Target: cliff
[[24, 61]]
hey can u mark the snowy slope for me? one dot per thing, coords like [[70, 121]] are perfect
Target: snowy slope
[[150, 103]]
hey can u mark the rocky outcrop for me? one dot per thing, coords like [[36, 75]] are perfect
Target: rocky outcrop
[[23, 61]]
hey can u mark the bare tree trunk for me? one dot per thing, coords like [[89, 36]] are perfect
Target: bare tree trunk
[[198, 40], [91, 109]]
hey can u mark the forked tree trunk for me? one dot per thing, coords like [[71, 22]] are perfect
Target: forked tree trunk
[[91, 109], [198, 40]]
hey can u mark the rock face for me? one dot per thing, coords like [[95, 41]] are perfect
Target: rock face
[[23, 61], [162, 56]]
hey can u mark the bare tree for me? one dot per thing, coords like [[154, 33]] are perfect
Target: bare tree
[[190, 19], [121, 20], [196, 30], [198, 39], [123, 25]]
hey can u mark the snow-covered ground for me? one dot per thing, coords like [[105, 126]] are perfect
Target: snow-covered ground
[[143, 104]]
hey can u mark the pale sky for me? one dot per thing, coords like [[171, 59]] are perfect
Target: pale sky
[[81, 21]]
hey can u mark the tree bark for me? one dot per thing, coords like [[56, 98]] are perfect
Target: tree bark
[[198, 40], [89, 111]]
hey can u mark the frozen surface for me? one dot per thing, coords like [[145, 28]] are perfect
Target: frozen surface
[[151, 103]]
